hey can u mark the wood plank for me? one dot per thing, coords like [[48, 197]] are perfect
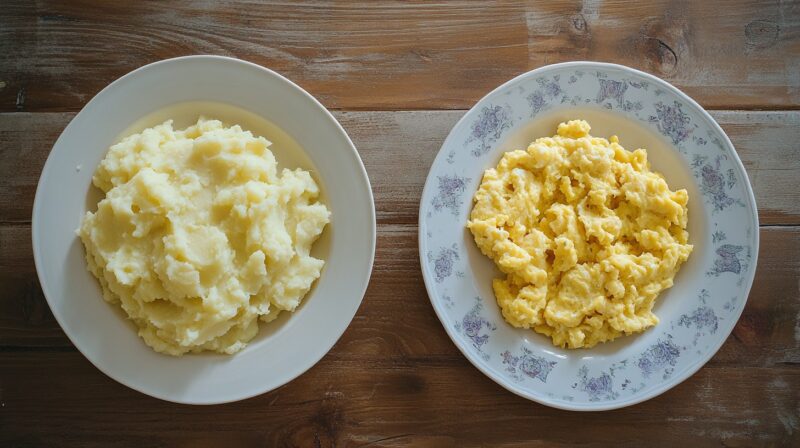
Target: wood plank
[[769, 146], [767, 142], [59, 399], [396, 320], [393, 55], [25, 142]]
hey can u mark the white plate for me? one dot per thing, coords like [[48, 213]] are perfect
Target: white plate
[[284, 349], [685, 144]]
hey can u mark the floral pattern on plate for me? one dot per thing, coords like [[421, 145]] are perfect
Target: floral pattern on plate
[[692, 326]]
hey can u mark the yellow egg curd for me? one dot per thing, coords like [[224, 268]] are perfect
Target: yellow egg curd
[[586, 235]]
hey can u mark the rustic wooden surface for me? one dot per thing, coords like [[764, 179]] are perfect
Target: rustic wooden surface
[[399, 75]]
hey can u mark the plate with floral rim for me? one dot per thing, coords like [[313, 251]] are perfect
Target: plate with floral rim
[[685, 144]]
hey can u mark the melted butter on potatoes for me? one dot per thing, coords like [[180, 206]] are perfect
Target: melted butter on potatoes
[[586, 235], [199, 236]]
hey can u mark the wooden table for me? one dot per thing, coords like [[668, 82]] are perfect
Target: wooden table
[[398, 76]]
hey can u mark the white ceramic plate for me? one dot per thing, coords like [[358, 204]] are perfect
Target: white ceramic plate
[[304, 134], [685, 144]]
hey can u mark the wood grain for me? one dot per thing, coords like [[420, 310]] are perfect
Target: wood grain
[[393, 55], [385, 403], [396, 320], [400, 74], [767, 142]]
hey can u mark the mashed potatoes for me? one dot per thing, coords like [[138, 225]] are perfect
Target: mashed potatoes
[[586, 234], [198, 235]]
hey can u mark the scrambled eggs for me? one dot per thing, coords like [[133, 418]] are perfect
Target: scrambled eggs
[[199, 235], [586, 234]]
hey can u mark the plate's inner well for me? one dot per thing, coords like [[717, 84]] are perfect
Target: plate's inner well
[[663, 157]]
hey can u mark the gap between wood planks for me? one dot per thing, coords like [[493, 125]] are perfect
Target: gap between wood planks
[[767, 142], [396, 321], [359, 56]]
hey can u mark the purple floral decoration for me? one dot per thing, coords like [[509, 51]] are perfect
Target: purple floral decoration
[[635, 107], [450, 190], [549, 89], [727, 260], [575, 100], [730, 305], [713, 183], [443, 262], [489, 126], [663, 354], [473, 324], [597, 387], [703, 319], [730, 257], [528, 364], [672, 121], [448, 301], [612, 89], [537, 102]]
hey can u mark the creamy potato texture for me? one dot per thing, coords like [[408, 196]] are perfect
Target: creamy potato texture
[[586, 235], [199, 236]]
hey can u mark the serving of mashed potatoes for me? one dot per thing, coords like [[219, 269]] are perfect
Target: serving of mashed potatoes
[[199, 236], [586, 235]]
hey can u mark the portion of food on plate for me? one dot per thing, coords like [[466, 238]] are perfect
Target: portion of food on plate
[[586, 235], [199, 235]]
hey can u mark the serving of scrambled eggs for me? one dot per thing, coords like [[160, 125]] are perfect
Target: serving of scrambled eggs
[[586, 235], [199, 235]]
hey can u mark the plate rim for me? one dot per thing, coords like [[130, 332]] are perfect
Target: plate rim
[[664, 386], [38, 250]]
